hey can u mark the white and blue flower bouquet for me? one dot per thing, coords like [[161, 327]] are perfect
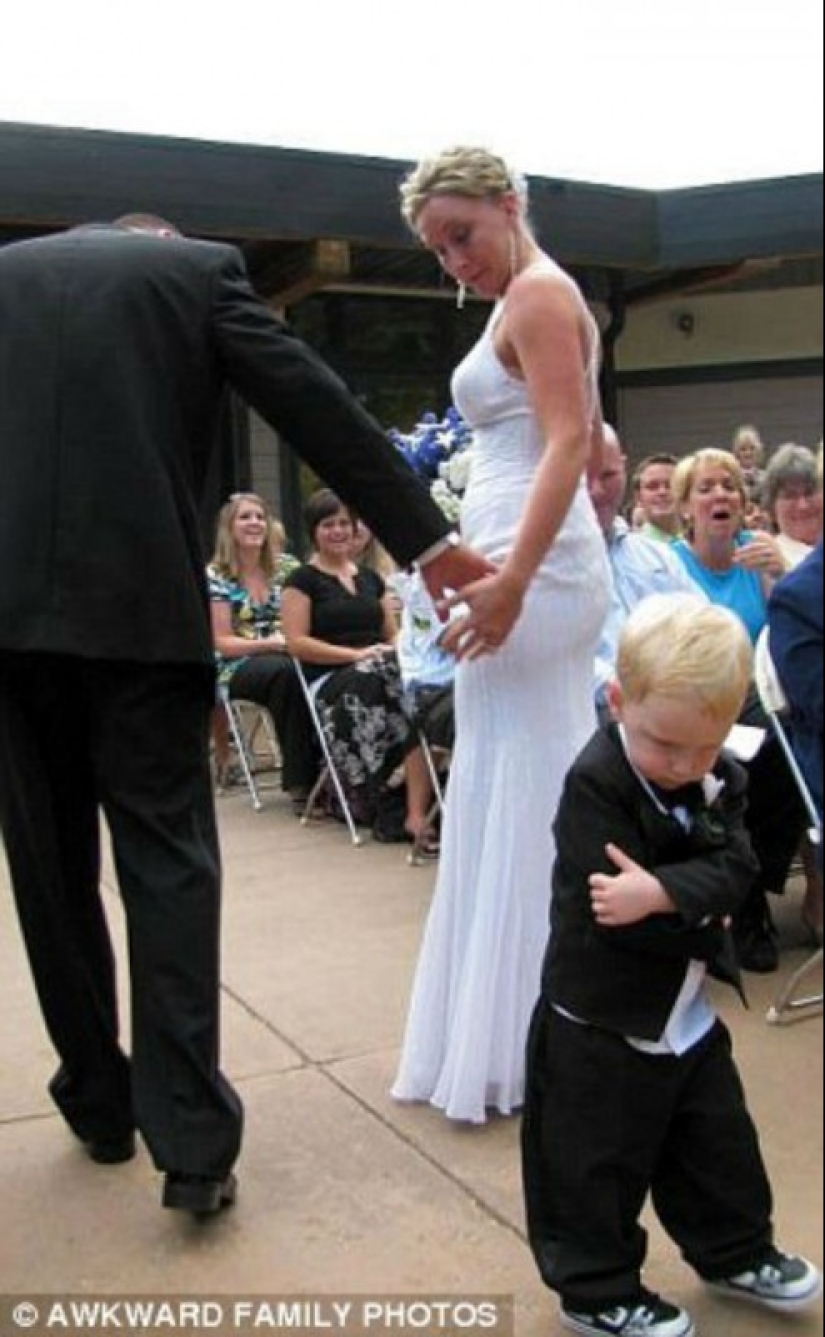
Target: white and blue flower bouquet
[[440, 452]]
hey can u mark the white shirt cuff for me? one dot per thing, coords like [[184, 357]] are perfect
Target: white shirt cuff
[[437, 550]]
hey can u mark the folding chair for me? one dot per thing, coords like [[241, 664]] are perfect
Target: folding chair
[[432, 767], [418, 856], [329, 773], [243, 733], [775, 705]]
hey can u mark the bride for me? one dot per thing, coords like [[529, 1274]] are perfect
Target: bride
[[524, 691]]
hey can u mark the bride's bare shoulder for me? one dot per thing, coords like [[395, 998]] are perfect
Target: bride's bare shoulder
[[543, 288]]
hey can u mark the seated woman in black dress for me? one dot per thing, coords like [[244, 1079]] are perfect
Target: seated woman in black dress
[[246, 579], [338, 621]]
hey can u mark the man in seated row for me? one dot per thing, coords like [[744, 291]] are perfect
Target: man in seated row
[[653, 498], [641, 565]]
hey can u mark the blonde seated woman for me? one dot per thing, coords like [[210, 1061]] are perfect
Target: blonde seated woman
[[246, 579]]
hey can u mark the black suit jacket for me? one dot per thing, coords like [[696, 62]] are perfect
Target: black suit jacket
[[628, 979], [115, 351]]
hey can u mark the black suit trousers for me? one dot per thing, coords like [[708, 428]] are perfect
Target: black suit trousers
[[78, 737], [604, 1127]]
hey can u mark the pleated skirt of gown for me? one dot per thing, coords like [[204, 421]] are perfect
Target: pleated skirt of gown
[[522, 718]]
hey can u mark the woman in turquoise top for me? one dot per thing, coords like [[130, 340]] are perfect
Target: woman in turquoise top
[[733, 566], [739, 569]]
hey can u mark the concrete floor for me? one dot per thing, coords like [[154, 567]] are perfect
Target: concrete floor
[[343, 1192]]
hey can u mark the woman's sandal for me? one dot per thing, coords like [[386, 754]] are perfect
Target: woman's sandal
[[426, 847]]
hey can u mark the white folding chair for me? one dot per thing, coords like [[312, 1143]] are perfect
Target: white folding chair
[[775, 705], [329, 772], [246, 721], [418, 854], [432, 767]]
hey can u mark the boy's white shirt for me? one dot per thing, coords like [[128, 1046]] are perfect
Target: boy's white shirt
[[693, 1016]]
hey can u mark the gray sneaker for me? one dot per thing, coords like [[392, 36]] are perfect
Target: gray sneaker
[[646, 1316], [780, 1282]]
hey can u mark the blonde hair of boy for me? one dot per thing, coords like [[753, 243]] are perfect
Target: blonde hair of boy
[[676, 645]]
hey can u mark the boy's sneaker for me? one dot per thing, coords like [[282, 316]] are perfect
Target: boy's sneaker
[[646, 1316], [780, 1283]]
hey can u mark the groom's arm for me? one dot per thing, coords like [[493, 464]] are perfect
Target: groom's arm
[[297, 394]]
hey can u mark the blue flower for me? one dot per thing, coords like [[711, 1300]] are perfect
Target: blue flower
[[434, 443], [440, 453]]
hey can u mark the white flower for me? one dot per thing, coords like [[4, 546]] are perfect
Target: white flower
[[447, 501], [456, 472]]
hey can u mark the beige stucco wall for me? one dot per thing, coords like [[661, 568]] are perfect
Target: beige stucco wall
[[774, 326], [265, 451]]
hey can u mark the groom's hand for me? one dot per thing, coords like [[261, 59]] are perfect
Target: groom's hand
[[453, 570]]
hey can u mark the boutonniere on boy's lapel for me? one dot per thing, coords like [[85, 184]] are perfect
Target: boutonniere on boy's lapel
[[709, 823], [713, 789]]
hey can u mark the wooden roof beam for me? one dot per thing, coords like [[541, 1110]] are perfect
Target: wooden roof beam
[[304, 270]]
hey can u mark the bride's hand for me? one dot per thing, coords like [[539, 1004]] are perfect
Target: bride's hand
[[495, 604]]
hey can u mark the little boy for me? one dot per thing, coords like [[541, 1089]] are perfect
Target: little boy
[[631, 1087]]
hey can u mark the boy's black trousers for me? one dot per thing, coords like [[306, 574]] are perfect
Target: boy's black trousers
[[606, 1125]]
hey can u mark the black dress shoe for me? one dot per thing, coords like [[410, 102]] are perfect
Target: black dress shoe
[[756, 938], [112, 1151], [199, 1195], [759, 955]]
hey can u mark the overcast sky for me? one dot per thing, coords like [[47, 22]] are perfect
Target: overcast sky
[[628, 92]]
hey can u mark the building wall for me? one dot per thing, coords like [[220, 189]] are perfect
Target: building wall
[[694, 370], [265, 448], [716, 330], [680, 418]]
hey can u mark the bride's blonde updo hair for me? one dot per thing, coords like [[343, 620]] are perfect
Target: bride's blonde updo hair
[[473, 173]]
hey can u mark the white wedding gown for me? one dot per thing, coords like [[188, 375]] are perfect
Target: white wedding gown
[[523, 715]]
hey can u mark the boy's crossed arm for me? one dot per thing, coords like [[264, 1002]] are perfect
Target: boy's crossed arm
[[629, 896]]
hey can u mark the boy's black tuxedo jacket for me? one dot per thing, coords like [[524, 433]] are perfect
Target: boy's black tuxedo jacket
[[115, 351], [628, 980]]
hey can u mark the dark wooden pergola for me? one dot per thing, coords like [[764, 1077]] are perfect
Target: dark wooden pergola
[[310, 221], [325, 224]]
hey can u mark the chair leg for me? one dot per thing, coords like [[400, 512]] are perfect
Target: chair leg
[[787, 1002], [355, 835], [435, 778], [329, 776], [313, 797], [242, 757], [330, 772]]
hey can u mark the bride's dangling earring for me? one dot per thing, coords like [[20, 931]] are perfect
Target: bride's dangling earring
[[513, 255], [461, 296]]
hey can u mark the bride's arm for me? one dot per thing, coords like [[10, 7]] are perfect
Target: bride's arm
[[547, 333], [546, 339]]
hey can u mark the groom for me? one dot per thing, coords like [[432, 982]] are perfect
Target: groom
[[116, 345]]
